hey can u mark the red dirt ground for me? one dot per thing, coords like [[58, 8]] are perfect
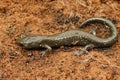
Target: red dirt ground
[[47, 17]]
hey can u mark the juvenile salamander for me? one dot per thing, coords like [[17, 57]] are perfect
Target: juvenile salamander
[[71, 37]]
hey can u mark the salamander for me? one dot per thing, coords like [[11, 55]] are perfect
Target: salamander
[[71, 37]]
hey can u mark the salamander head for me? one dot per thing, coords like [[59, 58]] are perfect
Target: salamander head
[[29, 42], [21, 41]]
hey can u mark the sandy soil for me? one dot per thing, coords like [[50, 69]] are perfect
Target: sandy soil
[[47, 17]]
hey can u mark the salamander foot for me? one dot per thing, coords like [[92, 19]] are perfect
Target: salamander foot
[[93, 31], [84, 50], [48, 49]]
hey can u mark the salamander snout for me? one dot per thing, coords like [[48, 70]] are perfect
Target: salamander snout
[[22, 44]]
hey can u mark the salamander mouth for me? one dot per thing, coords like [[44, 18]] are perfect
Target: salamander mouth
[[20, 44]]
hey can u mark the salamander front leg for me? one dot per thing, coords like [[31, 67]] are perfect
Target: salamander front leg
[[84, 50], [48, 48]]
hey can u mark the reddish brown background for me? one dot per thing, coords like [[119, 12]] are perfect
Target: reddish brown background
[[39, 17]]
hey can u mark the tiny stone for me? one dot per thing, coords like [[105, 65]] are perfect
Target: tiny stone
[[1, 75]]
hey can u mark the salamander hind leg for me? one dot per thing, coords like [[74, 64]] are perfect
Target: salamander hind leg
[[48, 48], [93, 31], [84, 50]]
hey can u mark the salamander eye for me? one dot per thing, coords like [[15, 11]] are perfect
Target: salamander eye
[[25, 45], [22, 36], [22, 44]]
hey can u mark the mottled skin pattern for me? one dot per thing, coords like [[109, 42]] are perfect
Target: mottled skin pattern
[[71, 37]]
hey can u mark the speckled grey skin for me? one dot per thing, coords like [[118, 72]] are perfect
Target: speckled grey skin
[[71, 37]]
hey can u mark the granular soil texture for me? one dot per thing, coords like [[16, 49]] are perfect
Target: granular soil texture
[[48, 17]]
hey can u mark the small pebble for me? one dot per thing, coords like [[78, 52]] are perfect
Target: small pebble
[[1, 75]]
